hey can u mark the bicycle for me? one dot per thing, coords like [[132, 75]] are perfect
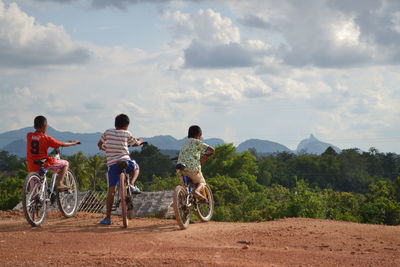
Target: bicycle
[[125, 192], [184, 201], [38, 192]]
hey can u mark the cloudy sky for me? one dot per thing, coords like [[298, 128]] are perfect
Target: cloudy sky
[[266, 69]]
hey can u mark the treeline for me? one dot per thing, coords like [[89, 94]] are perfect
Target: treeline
[[351, 185]]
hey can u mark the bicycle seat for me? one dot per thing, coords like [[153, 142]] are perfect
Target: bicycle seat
[[180, 166], [122, 164], [40, 162]]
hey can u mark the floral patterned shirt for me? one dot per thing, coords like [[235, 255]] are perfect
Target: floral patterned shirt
[[190, 154]]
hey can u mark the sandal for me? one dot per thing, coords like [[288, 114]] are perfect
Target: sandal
[[199, 196], [62, 188]]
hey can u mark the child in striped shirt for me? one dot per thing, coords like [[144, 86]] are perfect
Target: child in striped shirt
[[115, 142]]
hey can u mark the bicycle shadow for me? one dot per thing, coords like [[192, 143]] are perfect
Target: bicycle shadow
[[94, 227], [90, 225]]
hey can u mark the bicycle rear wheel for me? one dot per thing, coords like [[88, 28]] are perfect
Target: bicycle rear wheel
[[181, 210], [204, 209], [67, 201], [122, 195], [129, 203], [33, 204]]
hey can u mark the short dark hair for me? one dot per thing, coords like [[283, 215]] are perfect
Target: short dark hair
[[121, 121], [194, 131], [39, 122]]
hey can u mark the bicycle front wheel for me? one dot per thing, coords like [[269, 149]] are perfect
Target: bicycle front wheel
[[67, 201], [122, 195], [33, 202], [181, 210], [204, 209]]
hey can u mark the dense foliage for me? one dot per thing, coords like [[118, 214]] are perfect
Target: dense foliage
[[351, 185]]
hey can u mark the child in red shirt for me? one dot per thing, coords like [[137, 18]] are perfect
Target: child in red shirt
[[37, 144]]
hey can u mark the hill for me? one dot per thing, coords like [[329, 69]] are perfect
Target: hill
[[262, 146], [80, 241], [14, 142], [312, 145]]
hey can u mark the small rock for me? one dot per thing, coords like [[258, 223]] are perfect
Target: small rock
[[245, 247], [244, 242]]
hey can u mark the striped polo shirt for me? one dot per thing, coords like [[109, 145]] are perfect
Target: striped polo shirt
[[116, 144]]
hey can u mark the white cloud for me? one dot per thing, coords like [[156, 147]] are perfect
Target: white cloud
[[346, 33], [245, 85], [212, 41], [206, 26], [23, 42], [224, 90], [396, 21], [334, 34]]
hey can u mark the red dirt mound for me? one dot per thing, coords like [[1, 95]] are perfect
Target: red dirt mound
[[81, 241]]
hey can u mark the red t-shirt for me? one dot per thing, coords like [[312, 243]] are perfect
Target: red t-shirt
[[37, 144]]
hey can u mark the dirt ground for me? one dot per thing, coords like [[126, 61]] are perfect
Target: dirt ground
[[80, 241]]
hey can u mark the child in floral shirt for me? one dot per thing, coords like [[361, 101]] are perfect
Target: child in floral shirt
[[192, 154]]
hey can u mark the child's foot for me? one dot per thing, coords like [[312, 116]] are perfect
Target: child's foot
[[199, 196], [105, 221], [135, 189], [62, 188]]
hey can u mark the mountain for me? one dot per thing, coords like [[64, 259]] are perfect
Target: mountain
[[262, 146], [312, 145], [15, 142], [17, 147]]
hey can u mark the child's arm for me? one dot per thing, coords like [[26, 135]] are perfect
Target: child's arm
[[207, 153], [100, 145], [72, 143], [138, 142]]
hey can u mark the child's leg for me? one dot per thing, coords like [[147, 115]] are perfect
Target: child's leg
[[62, 174], [61, 167], [134, 175], [113, 173], [197, 178], [110, 200], [199, 187]]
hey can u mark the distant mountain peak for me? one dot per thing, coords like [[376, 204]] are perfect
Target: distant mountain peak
[[312, 138], [262, 146], [312, 145]]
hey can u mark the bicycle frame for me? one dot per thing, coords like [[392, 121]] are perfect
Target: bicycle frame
[[117, 198], [189, 187], [42, 173]]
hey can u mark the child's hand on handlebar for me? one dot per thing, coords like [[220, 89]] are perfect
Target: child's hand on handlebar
[[71, 143], [139, 142]]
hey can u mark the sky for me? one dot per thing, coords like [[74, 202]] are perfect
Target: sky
[[265, 69]]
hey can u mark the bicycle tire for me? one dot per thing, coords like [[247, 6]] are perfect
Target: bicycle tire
[[70, 208], [207, 214], [33, 200], [129, 204], [182, 212], [122, 195]]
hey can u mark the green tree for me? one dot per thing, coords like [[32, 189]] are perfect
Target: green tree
[[79, 163], [96, 169], [380, 207], [152, 163], [226, 161], [10, 191]]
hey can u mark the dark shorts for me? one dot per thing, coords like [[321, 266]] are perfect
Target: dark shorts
[[114, 171]]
